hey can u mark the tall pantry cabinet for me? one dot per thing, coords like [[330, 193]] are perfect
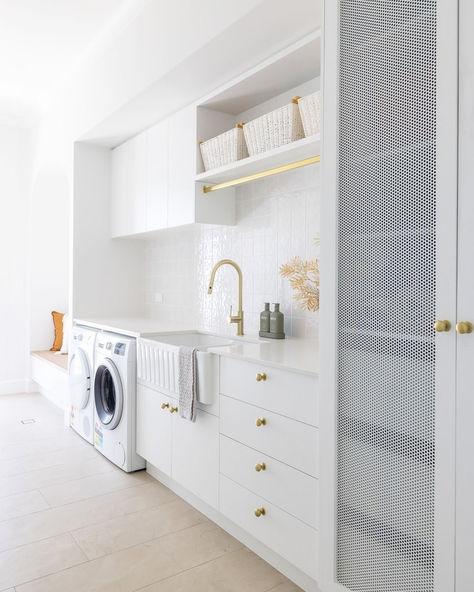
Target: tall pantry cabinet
[[397, 302]]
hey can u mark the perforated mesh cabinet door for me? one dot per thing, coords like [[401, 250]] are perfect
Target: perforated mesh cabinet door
[[386, 295]]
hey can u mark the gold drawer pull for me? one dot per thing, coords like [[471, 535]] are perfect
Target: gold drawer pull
[[260, 422], [173, 409], [464, 327], [442, 326], [165, 405], [261, 376], [260, 467], [259, 512]]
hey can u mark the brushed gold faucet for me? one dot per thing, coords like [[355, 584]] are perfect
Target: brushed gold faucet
[[239, 317]]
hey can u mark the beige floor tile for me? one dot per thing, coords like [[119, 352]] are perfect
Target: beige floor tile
[[133, 529], [61, 519], [142, 565], [68, 455], [55, 475], [21, 504], [9, 590], [240, 571], [38, 559], [87, 487], [286, 587]]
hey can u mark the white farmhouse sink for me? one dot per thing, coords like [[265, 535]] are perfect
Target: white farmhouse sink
[[196, 339], [157, 362]]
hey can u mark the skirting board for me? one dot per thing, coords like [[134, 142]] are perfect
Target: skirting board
[[10, 387], [283, 566]]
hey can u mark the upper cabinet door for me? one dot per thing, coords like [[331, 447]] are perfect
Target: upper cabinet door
[[157, 182], [129, 187], [182, 167], [388, 274]]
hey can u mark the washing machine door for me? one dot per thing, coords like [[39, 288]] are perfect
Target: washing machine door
[[79, 379], [108, 393]]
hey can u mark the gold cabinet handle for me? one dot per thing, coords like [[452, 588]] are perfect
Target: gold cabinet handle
[[464, 327], [259, 512], [173, 409], [442, 326], [261, 376], [260, 422], [260, 467], [165, 405]]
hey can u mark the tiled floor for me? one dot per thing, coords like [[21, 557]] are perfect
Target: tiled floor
[[71, 521]]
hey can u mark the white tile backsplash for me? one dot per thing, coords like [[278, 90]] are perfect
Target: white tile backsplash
[[277, 219]]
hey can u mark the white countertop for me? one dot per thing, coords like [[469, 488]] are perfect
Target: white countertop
[[132, 326], [300, 355]]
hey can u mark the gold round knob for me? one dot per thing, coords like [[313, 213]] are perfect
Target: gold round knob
[[260, 467], [261, 376], [464, 327], [259, 512], [173, 409], [165, 405], [260, 422], [442, 326]]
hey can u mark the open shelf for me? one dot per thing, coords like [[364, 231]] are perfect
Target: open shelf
[[299, 150]]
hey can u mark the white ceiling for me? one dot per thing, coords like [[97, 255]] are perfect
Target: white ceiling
[[40, 41]]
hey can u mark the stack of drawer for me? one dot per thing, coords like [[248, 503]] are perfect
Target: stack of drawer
[[269, 457]]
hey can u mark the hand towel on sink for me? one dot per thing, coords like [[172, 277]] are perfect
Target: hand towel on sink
[[187, 382]]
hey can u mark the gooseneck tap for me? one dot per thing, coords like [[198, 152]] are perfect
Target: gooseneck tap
[[239, 317]]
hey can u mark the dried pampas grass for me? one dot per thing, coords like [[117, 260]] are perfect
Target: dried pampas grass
[[304, 280]]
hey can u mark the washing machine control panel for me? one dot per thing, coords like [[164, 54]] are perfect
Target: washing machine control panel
[[120, 349]]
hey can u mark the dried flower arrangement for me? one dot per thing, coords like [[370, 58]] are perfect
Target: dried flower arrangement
[[304, 280]]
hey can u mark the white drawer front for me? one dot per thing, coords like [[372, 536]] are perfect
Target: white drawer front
[[289, 393], [292, 442], [284, 534], [285, 487]]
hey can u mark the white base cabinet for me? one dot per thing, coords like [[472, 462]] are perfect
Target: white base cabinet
[[196, 455], [256, 466], [186, 451], [154, 428]]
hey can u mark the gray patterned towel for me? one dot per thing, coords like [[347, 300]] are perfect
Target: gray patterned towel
[[187, 382]]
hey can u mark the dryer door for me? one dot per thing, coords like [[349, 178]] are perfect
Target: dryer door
[[79, 379], [108, 394]]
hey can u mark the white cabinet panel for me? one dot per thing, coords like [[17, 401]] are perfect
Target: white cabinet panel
[[289, 489], [154, 428], [129, 187], [182, 167], [285, 439], [120, 203], [286, 535], [289, 393], [196, 455], [157, 179]]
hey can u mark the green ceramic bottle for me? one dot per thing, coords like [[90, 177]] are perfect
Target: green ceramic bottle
[[277, 321], [265, 319]]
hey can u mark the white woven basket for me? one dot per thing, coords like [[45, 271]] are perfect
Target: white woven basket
[[310, 110], [225, 148], [274, 129]]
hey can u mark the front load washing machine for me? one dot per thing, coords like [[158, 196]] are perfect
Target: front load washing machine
[[115, 400], [81, 390]]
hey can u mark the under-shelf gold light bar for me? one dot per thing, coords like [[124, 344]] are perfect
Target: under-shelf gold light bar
[[262, 174]]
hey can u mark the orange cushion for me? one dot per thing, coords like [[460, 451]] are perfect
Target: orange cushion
[[58, 330]]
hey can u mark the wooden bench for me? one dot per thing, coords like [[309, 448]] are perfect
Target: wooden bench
[[50, 372]]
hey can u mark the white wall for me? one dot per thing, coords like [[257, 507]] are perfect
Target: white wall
[[100, 291], [15, 169], [277, 219], [165, 56]]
